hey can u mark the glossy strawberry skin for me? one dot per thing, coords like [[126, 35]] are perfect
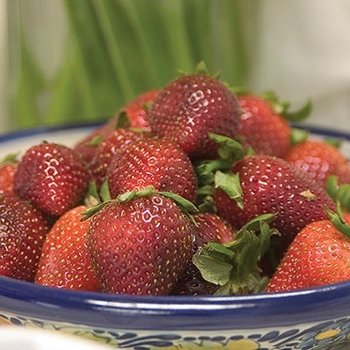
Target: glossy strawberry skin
[[190, 107], [65, 262], [152, 162], [7, 172], [319, 255], [209, 228], [106, 150], [23, 231], [319, 160], [140, 247], [137, 110], [272, 185], [52, 177], [264, 130]]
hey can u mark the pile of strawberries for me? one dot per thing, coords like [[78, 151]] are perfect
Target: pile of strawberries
[[196, 188]]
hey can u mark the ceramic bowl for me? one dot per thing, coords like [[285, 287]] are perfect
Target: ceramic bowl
[[317, 318]]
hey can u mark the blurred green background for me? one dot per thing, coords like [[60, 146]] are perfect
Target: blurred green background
[[81, 60]]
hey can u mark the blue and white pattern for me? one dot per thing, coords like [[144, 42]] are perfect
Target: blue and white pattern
[[330, 335]]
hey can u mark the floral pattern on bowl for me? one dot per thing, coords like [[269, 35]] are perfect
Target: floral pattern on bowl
[[330, 335]]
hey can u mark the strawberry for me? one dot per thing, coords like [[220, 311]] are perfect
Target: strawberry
[[262, 184], [86, 147], [262, 128], [150, 161], [320, 159], [8, 167], [23, 231], [210, 228], [137, 109], [65, 262], [319, 255], [141, 244], [106, 150], [190, 107], [52, 177]]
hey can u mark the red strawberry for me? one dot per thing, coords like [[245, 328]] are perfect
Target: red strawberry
[[7, 170], [190, 107], [319, 159], [137, 110], [210, 228], [87, 146], [140, 246], [23, 230], [52, 177], [271, 185], [65, 261], [319, 255], [157, 162], [264, 130], [106, 150]]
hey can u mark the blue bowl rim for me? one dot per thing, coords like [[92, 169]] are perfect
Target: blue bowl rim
[[172, 312], [129, 312]]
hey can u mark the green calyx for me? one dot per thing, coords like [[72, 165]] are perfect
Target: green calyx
[[339, 193], [341, 197], [9, 158], [101, 199], [283, 107], [216, 173], [298, 135], [233, 266], [202, 69], [231, 185], [338, 220]]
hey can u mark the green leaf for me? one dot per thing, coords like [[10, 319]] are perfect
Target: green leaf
[[10, 158], [95, 141], [229, 149], [333, 141], [339, 193], [230, 184], [93, 210], [212, 270], [205, 170], [298, 135], [338, 220], [240, 90], [202, 68], [300, 114], [255, 223], [233, 266], [126, 196], [104, 192], [186, 205], [283, 107], [92, 197]]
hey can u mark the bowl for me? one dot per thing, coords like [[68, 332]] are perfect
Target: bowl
[[316, 318]]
